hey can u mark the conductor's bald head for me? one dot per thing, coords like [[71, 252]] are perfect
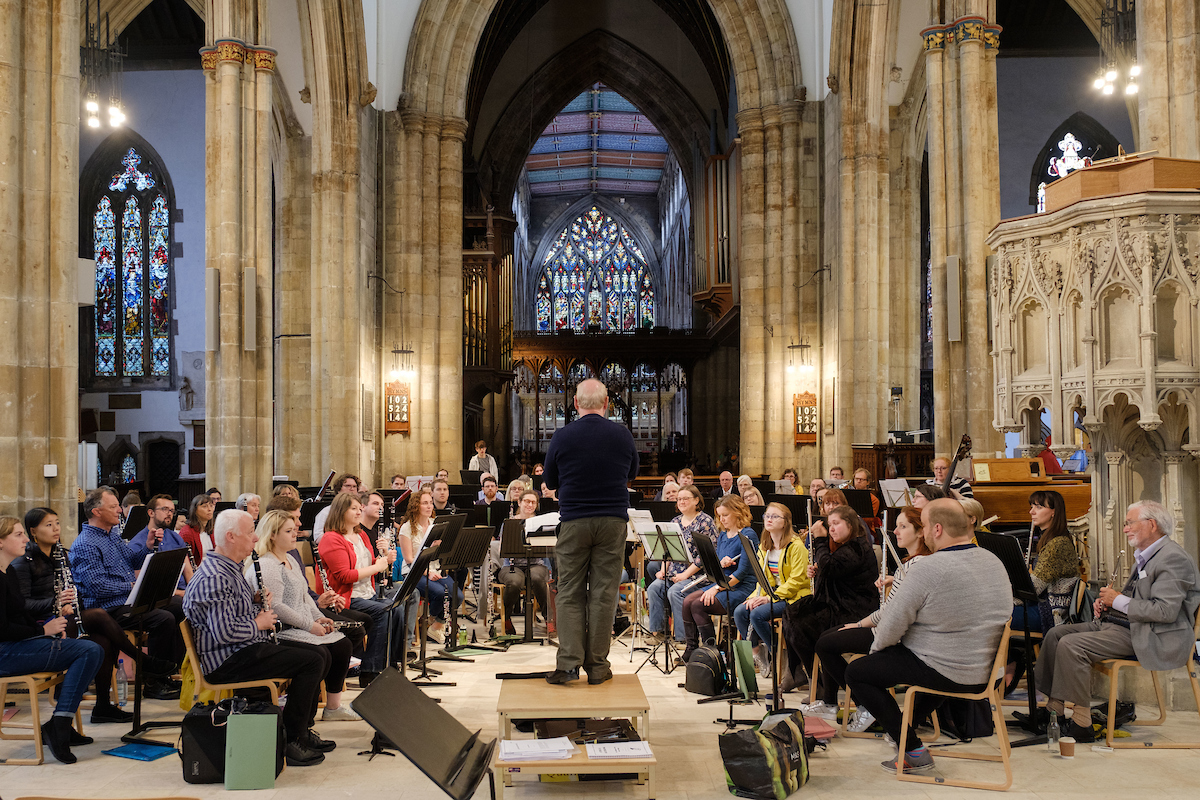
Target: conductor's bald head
[[591, 397]]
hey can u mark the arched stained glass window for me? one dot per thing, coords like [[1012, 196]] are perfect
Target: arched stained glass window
[[128, 470], [132, 335], [594, 275]]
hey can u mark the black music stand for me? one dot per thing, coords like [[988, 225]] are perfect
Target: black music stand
[[400, 601], [712, 569], [661, 510], [666, 547], [513, 544], [445, 532], [136, 522], [434, 741], [155, 587], [748, 552], [309, 511], [547, 505], [860, 501], [1008, 550], [797, 504], [469, 551]]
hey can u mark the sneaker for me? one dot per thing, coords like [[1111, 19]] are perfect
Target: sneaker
[[917, 760], [339, 714], [560, 676], [314, 742], [300, 755], [819, 709], [436, 635], [861, 720], [762, 665], [161, 691]]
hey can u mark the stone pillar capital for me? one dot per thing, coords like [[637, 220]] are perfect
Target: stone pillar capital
[[1175, 457], [208, 58], [772, 116], [231, 50], [1114, 457], [750, 119], [454, 128], [419, 121], [262, 57]]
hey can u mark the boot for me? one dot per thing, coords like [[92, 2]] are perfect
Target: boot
[[56, 734]]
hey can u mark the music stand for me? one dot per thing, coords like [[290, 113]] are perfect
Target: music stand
[[860, 501], [444, 531], [547, 505], [154, 589], [712, 569], [469, 551], [309, 511], [665, 546], [1008, 550], [136, 522], [661, 510], [470, 477], [797, 504], [748, 552], [426, 734], [400, 600], [513, 544]]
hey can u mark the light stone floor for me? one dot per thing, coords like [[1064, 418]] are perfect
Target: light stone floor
[[683, 736]]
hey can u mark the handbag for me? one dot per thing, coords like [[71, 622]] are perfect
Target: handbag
[[770, 762], [203, 735]]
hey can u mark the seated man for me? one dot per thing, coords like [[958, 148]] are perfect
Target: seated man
[[103, 565], [441, 496], [939, 629], [1150, 620], [159, 536], [232, 644], [490, 492]]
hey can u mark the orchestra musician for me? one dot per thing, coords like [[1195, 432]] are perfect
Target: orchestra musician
[[512, 570], [198, 531]]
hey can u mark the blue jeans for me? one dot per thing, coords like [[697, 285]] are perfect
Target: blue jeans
[[79, 657], [377, 659], [435, 593], [663, 593], [760, 619], [1018, 618]]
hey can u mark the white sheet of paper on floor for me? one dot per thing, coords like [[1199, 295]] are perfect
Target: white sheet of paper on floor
[[619, 750]]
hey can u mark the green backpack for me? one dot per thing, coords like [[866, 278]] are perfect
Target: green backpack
[[769, 762]]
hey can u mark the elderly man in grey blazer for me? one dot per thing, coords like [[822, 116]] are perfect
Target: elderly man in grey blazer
[[1151, 619]]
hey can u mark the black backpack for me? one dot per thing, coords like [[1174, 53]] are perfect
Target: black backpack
[[706, 672]]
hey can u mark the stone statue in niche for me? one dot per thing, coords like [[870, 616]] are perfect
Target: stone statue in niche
[[187, 395]]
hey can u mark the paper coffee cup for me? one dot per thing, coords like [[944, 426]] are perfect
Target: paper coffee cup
[[1066, 747]]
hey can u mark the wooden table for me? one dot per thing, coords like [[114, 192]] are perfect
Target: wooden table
[[535, 699]]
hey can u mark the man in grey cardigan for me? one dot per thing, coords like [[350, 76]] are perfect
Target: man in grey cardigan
[[1151, 619], [940, 629]]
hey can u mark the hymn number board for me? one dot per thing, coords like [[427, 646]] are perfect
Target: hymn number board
[[397, 404], [804, 407]]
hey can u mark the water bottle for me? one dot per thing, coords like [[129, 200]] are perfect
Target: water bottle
[[462, 637], [1052, 733], [122, 683]]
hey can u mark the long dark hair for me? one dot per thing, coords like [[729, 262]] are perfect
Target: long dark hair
[[194, 520], [1052, 500]]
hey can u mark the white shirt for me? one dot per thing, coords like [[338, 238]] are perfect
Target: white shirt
[[319, 523], [362, 559]]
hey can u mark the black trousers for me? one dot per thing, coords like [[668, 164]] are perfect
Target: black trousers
[[306, 667], [830, 647], [161, 626], [357, 636], [339, 660], [102, 629], [872, 676]]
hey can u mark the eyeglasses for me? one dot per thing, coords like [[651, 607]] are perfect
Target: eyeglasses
[[772, 516]]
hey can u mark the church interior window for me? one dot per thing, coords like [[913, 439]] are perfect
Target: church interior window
[[128, 469], [133, 261], [595, 276]]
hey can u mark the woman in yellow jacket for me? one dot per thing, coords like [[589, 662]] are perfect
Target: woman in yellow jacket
[[784, 560]]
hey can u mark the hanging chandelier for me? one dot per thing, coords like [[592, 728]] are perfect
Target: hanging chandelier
[[100, 65], [1118, 47]]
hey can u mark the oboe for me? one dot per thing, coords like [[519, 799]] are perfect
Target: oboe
[[66, 581], [273, 634]]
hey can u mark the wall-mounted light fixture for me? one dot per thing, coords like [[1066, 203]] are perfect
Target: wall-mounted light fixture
[[800, 357]]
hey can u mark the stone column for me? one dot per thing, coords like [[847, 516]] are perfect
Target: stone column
[[964, 205], [39, 250], [238, 372], [1114, 511], [1173, 491], [1168, 48]]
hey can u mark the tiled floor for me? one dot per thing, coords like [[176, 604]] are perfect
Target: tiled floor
[[682, 733]]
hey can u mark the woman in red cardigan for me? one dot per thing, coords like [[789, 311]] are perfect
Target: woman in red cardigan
[[352, 566], [198, 532]]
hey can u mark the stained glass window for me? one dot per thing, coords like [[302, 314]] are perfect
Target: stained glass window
[[133, 275], [128, 470], [594, 275]]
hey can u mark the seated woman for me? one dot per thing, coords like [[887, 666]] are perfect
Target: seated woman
[[351, 567], [26, 646], [304, 624], [433, 586], [925, 494], [857, 637], [35, 576], [784, 560], [974, 511], [733, 518], [844, 568], [1056, 570], [743, 483], [512, 571], [198, 532], [751, 496], [673, 580]]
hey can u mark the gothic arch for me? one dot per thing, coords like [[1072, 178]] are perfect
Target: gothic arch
[[758, 33], [95, 175], [598, 55]]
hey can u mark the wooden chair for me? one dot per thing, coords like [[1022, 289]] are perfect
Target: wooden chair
[[1036, 639], [993, 693], [35, 684], [1112, 668], [274, 685]]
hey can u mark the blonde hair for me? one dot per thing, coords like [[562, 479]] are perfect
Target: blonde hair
[[269, 527], [7, 526], [973, 508], [738, 508], [753, 491]]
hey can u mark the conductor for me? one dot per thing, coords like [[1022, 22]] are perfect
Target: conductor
[[590, 462]]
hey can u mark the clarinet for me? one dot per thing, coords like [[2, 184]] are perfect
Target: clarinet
[[65, 580], [385, 577], [320, 565], [273, 634]]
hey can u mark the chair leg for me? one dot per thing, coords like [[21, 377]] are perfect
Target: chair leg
[[910, 699], [36, 711], [1113, 679], [1162, 704], [812, 679]]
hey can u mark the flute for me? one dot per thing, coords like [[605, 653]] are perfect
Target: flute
[[1029, 549], [67, 582], [883, 554], [272, 634]]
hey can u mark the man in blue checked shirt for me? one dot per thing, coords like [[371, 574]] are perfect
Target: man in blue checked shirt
[[103, 566], [230, 631]]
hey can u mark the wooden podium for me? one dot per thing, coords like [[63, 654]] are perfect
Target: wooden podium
[[535, 699], [1122, 177]]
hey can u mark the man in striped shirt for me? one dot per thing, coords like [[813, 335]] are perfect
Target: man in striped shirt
[[230, 631]]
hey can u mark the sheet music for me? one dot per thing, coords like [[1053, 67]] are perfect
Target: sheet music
[[896, 493], [535, 524], [137, 584]]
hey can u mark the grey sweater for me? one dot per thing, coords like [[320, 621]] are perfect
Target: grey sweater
[[950, 611]]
